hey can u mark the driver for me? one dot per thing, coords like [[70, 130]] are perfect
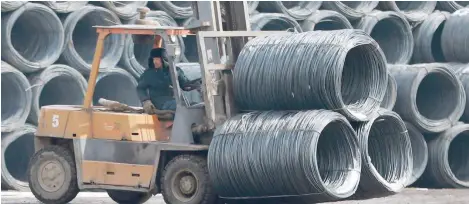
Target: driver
[[154, 85]]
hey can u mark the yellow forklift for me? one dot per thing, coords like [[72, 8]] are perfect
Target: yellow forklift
[[133, 155]]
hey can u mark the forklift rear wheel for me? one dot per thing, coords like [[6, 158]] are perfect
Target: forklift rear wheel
[[129, 197], [52, 175], [186, 180]]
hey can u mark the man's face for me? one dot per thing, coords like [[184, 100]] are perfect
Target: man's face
[[157, 62]]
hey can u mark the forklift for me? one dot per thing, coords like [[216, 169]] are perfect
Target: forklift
[[133, 155]]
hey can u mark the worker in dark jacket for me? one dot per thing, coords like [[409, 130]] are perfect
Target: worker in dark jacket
[[154, 85]]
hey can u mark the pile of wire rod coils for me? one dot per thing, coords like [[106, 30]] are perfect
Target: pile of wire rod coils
[[336, 113]]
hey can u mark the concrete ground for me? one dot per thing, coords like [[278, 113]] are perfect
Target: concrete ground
[[408, 196]]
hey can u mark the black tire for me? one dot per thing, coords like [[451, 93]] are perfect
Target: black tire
[[193, 169], [128, 197], [53, 157]]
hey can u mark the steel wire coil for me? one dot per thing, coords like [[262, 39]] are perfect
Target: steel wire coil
[[390, 97], [285, 154], [427, 38], [451, 6], [135, 56], [58, 84], [448, 158], [176, 9], [8, 6], [117, 85], [393, 34], [274, 21], [81, 38], [414, 11], [462, 71], [124, 9], [298, 10], [64, 6], [455, 37], [430, 96], [353, 10], [16, 98], [17, 149], [325, 20], [419, 153], [26, 52], [277, 72], [386, 154]]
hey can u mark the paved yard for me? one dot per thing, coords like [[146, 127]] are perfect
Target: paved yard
[[409, 196]]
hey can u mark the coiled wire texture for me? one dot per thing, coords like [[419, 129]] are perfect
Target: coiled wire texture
[[16, 98], [347, 73], [12, 5], [386, 154], [274, 21], [64, 6], [57, 84], [325, 20], [455, 37], [451, 6], [126, 10], [176, 9], [390, 97], [393, 34], [419, 153], [31, 53], [353, 10], [80, 38], [118, 85], [285, 154], [448, 161], [462, 71], [427, 38], [299, 10], [430, 96], [414, 11]]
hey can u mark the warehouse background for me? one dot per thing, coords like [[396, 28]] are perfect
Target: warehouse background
[[48, 47]]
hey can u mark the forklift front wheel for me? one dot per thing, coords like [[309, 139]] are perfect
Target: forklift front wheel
[[128, 197], [52, 175], [186, 180]]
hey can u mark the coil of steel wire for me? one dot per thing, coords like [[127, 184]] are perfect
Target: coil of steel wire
[[419, 153], [414, 11], [386, 154], [58, 84], [455, 37], [80, 38], [285, 154], [451, 6], [20, 49], [12, 5], [353, 10], [64, 6], [299, 10], [135, 56], [390, 97], [325, 20], [448, 159], [118, 85], [462, 71], [392, 32], [16, 152], [16, 98], [430, 96], [124, 9], [348, 73], [176, 9], [274, 21], [427, 38]]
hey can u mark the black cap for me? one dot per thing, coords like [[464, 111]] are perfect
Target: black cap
[[157, 52]]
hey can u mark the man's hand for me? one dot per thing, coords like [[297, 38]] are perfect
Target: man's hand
[[149, 108]]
